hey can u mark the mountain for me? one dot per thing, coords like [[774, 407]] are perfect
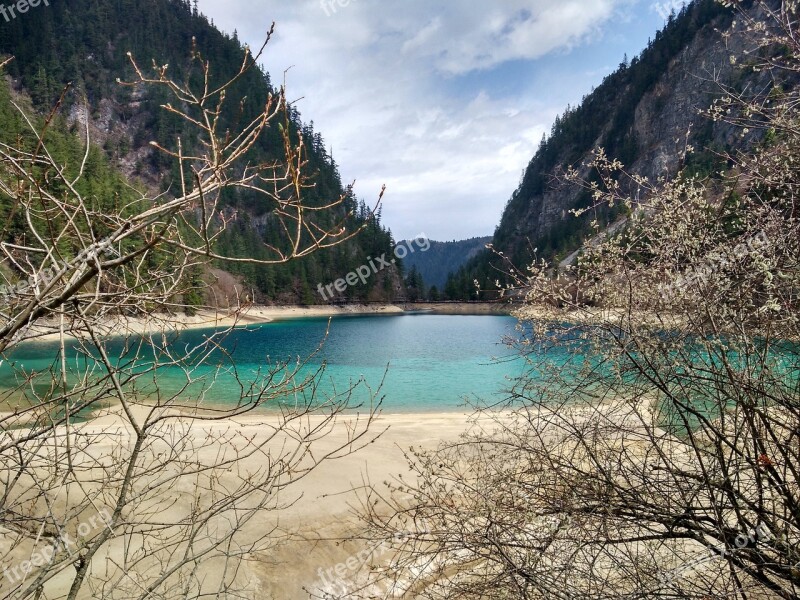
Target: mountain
[[85, 43], [645, 114], [443, 258]]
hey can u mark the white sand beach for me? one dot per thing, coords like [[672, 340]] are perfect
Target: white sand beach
[[321, 516]]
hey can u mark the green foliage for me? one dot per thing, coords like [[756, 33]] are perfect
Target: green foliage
[[193, 298], [415, 286], [102, 187]]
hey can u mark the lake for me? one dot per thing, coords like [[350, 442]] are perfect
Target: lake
[[428, 363]]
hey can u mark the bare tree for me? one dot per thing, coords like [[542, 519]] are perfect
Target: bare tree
[[652, 450], [110, 485]]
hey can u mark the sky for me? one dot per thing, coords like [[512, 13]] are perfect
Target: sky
[[443, 101]]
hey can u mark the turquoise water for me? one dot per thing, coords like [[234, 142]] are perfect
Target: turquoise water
[[426, 362]]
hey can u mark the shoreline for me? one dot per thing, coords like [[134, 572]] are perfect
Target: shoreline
[[261, 315]]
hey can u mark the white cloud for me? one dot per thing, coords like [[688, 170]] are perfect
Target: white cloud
[[386, 84], [424, 37], [512, 30]]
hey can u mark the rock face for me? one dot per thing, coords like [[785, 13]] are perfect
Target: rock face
[[670, 114], [645, 114]]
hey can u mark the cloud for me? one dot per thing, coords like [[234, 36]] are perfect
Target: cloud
[[424, 38], [430, 98], [511, 31]]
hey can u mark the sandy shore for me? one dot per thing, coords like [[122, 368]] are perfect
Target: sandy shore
[[325, 513], [321, 516]]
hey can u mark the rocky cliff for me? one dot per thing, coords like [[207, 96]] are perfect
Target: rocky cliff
[[645, 114]]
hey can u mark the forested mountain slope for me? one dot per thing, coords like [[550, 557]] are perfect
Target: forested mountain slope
[[85, 44]]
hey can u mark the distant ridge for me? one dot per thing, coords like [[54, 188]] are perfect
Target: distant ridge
[[444, 258]]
